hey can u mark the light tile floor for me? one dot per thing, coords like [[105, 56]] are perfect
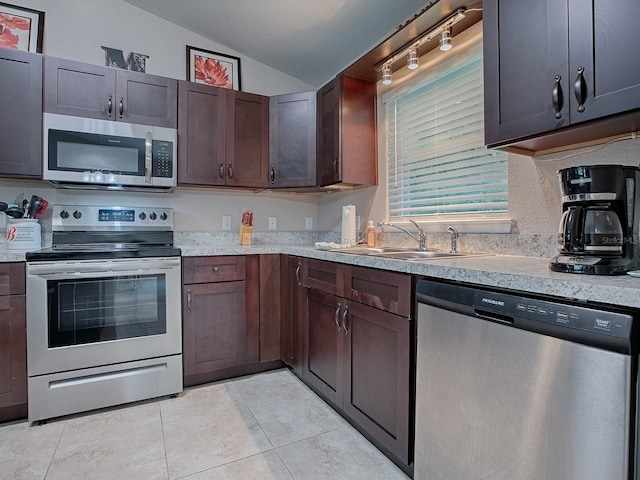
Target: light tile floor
[[264, 427]]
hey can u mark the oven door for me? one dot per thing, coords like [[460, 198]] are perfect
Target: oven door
[[89, 313]]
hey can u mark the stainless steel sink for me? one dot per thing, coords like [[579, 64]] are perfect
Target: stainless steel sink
[[425, 255], [370, 250], [403, 253]]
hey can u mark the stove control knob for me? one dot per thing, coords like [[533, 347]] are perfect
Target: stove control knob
[[64, 214], [153, 215], [77, 214], [163, 216], [142, 216]]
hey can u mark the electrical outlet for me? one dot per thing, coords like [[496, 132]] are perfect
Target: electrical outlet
[[308, 223], [272, 223], [3, 222], [226, 222], [358, 223]]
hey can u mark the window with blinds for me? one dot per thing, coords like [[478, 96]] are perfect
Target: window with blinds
[[438, 166]]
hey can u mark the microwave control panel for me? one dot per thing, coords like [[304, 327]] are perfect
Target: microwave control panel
[[162, 158]]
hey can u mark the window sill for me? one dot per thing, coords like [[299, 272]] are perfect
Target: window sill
[[473, 225]]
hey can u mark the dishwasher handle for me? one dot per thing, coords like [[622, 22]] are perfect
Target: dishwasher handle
[[494, 317]]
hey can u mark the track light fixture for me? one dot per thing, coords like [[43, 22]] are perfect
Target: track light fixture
[[445, 41], [412, 59], [442, 30], [386, 74]]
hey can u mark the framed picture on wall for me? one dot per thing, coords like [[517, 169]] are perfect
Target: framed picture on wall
[[21, 28], [212, 68]]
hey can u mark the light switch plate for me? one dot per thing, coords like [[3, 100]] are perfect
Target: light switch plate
[[226, 222], [308, 223], [272, 223]]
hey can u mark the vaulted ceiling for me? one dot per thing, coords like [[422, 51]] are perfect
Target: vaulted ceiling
[[311, 40]]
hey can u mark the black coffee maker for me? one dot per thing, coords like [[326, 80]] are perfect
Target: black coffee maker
[[599, 229]]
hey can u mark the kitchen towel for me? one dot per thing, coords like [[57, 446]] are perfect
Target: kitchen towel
[[348, 225]]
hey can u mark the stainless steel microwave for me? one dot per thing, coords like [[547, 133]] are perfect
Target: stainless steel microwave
[[101, 154]]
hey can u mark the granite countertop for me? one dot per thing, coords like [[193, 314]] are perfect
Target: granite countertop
[[527, 274]]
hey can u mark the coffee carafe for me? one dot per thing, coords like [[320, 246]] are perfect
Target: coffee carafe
[[598, 231]]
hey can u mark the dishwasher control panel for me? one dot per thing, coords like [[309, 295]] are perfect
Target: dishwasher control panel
[[592, 325]]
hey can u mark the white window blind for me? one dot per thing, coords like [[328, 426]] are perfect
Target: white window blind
[[438, 164]]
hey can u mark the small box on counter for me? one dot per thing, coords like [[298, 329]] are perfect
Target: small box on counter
[[246, 227]]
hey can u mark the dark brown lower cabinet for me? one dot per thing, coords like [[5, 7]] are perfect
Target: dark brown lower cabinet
[[13, 343], [358, 359], [220, 316], [291, 330]]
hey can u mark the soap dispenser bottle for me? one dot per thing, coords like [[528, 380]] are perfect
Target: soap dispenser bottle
[[371, 234]]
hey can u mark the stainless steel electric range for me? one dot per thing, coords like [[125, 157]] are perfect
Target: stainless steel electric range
[[103, 310]]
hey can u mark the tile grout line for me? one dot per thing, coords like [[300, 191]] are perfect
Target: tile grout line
[[55, 449]]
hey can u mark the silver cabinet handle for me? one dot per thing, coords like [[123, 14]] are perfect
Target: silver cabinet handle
[[121, 106], [148, 158], [298, 273], [188, 300], [230, 171], [216, 269], [337, 317], [344, 319], [109, 106]]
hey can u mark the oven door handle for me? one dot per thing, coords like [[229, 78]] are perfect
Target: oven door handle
[[148, 158], [63, 270]]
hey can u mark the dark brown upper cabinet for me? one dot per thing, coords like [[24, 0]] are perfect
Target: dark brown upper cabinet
[[202, 116], [557, 72], [292, 140], [347, 132], [247, 140], [21, 121], [93, 91], [223, 137]]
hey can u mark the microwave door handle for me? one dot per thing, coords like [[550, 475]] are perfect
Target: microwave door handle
[[148, 151]]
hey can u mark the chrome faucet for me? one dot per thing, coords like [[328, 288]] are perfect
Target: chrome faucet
[[454, 239], [421, 237]]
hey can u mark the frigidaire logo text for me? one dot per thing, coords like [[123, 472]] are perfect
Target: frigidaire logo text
[[500, 303]]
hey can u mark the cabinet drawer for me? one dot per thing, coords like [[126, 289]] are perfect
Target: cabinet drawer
[[387, 291], [12, 279], [213, 269], [322, 275]]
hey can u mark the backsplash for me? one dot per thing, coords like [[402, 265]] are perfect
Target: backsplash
[[502, 244]]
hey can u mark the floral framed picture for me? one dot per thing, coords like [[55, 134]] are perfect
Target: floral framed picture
[[21, 28], [212, 68]]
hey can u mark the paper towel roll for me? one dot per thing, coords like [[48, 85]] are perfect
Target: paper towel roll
[[348, 225]]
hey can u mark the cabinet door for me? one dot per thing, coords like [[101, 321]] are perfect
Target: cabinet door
[[292, 330], [358, 157], [525, 68], [146, 99], [600, 35], [21, 121], [270, 307], [292, 140], [202, 118], [329, 133], [74, 88], [247, 140], [324, 345], [377, 353], [13, 352], [217, 331]]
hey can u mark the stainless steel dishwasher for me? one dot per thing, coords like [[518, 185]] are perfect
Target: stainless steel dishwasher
[[511, 387]]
